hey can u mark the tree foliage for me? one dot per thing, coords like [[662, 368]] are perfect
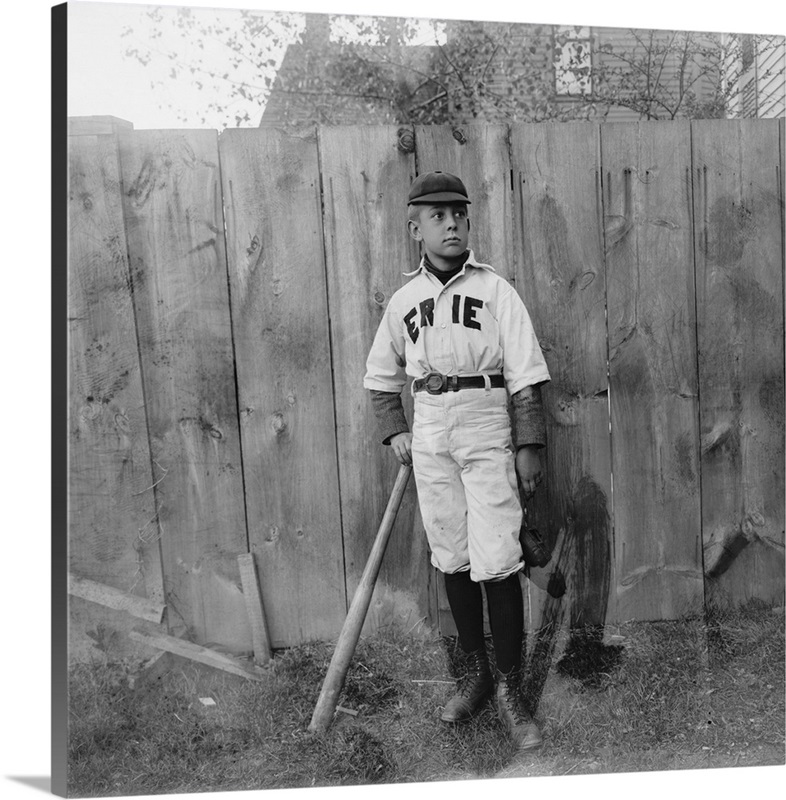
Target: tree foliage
[[230, 57], [392, 70], [669, 74]]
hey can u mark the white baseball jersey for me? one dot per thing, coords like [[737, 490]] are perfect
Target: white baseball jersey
[[461, 448], [476, 323]]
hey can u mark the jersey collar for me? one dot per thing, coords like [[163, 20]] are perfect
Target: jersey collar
[[470, 262]]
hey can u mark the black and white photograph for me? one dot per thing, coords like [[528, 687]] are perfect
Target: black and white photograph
[[419, 387]]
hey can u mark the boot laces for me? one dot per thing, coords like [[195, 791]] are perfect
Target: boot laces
[[515, 703], [476, 668]]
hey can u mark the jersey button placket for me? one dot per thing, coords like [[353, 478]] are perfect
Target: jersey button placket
[[441, 331]]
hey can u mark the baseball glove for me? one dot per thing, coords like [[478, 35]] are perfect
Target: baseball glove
[[536, 552]]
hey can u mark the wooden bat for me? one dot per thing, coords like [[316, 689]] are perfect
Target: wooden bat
[[356, 616]]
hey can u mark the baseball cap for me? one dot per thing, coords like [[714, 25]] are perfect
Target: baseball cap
[[437, 187]]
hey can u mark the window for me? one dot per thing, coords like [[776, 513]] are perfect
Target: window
[[573, 61]]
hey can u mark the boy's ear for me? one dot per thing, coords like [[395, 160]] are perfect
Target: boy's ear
[[414, 230]]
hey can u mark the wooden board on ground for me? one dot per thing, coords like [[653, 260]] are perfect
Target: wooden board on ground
[[739, 253], [195, 652], [151, 672], [561, 279], [652, 364], [365, 182], [256, 610], [113, 531], [175, 229], [285, 384], [114, 598]]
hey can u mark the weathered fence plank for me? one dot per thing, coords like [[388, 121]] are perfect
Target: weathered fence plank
[[561, 279], [739, 252], [366, 180], [285, 387], [479, 155], [113, 533], [175, 230], [652, 366]]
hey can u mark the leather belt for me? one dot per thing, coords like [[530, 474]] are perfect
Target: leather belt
[[434, 383]]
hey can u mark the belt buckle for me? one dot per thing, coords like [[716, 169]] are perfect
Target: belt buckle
[[434, 383]]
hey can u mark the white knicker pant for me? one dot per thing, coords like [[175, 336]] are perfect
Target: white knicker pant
[[464, 467]]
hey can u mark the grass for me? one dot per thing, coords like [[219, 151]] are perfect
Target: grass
[[672, 695]]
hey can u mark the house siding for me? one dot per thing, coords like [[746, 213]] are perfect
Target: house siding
[[300, 97], [770, 78]]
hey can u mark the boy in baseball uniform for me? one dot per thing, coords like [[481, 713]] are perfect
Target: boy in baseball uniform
[[463, 335]]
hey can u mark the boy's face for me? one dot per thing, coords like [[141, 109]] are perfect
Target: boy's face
[[444, 230]]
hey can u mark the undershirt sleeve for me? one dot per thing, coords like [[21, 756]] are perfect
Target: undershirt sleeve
[[389, 411], [528, 417]]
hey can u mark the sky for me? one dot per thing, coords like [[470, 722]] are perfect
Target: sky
[[26, 334], [151, 96]]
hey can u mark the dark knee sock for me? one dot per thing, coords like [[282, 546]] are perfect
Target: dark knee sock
[[466, 605], [506, 618]]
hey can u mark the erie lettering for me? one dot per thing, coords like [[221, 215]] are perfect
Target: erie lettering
[[463, 312]]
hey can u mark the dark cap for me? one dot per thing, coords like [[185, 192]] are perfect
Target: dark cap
[[437, 187]]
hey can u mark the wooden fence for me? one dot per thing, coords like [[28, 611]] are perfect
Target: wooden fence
[[224, 292]]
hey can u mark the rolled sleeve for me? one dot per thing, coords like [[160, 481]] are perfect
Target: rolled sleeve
[[529, 418], [389, 411]]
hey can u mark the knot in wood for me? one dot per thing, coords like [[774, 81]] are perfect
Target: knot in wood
[[273, 534], [253, 252], [459, 136], [278, 423], [91, 410], [583, 280], [752, 521], [406, 140], [121, 421], [379, 298]]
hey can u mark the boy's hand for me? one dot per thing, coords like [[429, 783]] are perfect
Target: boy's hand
[[402, 447], [528, 469]]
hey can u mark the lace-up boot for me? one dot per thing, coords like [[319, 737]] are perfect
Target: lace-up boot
[[514, 714], [474, 689]]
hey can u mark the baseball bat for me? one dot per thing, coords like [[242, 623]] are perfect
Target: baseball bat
[[356, 616]]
